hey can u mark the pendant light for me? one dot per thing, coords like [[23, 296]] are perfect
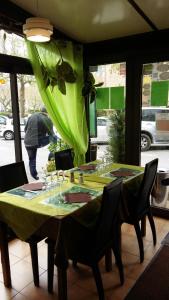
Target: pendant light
[[38, 29]]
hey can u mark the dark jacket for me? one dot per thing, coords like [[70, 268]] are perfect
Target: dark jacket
[[38, 130]]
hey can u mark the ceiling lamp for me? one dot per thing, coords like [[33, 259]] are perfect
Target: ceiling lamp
[[38, 29]]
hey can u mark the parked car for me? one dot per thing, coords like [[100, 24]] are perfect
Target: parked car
[[7, 130], [102, 130], [150, 133]]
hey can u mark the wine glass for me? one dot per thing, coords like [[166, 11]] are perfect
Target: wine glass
[[44, 178]]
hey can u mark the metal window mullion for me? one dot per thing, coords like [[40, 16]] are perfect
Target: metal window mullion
[[16, 118]]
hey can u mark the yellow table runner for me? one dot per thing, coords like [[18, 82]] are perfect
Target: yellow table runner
[[98, 175]]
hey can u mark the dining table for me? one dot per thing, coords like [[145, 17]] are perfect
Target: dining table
[[28, 210]]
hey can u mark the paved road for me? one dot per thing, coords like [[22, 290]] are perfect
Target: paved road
[[7, 156]]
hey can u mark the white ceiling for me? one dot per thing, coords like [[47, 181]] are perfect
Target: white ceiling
[[98, 20]]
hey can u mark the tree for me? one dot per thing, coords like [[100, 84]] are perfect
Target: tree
[[5, 96], [14, 45], [23, 81]]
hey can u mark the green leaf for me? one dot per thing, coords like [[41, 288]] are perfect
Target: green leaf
[[99, 84], [53, 81], [91, 78], [65, 68], [85, 90], [71, 77], [46, 79], [92, 95], [67, 72], [62, 86]]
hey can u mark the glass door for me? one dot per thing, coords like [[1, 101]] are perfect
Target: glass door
[[109, 107], [30, 102], [7, 150], [155, 125]]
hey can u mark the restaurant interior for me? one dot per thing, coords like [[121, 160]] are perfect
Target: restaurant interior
[[87, 34]]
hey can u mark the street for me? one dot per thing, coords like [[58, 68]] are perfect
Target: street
[[7, 156]]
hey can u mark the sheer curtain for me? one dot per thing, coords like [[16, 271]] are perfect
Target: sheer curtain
[[67, 112]]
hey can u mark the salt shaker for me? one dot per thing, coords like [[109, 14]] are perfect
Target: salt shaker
[[81, 181], [72, 177]]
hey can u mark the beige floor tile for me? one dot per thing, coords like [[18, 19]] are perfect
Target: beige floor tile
[[20, 296], [130, 244], [81, 284], [42, 256], [19, 248], [119, 292], [21, 275], [6, 293]]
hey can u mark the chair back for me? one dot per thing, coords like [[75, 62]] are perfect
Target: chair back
[[146, 186], [64, 160], [12, 176], [109, 212]]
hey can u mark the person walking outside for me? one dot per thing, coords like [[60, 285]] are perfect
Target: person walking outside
[[38, 133]]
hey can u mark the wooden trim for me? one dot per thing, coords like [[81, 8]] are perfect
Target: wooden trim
[[142, 14], [147, 47], [133, 112], [14, 64]]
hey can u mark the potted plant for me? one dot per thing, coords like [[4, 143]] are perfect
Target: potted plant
[[54, 147], [116, 147]]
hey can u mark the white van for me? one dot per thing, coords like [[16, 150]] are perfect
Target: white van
[[154, 126]]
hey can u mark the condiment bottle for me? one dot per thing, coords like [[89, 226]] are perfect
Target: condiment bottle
[[81, 181], [72, 177]]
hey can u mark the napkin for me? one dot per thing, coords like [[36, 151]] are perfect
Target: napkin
[[77, 197], [34, 186], [87, 167], [122, 173]]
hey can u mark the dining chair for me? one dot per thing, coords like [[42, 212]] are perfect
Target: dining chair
[[12, 176], [139, 205], [64, 160], [89, 245]]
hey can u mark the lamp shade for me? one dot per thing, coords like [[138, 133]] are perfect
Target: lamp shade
[[38, 29]]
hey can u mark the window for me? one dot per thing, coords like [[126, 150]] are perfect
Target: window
[[12, 44], [2, 120], [101, 122], [148, 115]]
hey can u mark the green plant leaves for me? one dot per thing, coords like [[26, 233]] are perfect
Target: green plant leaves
[[89, 88], [66, 72], [62, 86], [58, 146], [63, 73]]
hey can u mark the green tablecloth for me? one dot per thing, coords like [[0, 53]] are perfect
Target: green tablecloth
[[25, 216]]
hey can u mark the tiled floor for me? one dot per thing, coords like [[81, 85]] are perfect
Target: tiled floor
[[80, 282]]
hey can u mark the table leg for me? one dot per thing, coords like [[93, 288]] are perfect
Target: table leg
[[5, 255], [62, 283], [61, 263]]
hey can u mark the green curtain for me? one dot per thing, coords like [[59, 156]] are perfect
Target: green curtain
[[67, 112]]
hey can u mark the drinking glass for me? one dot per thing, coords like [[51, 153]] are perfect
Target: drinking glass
[[61, 197], [44, 178]]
